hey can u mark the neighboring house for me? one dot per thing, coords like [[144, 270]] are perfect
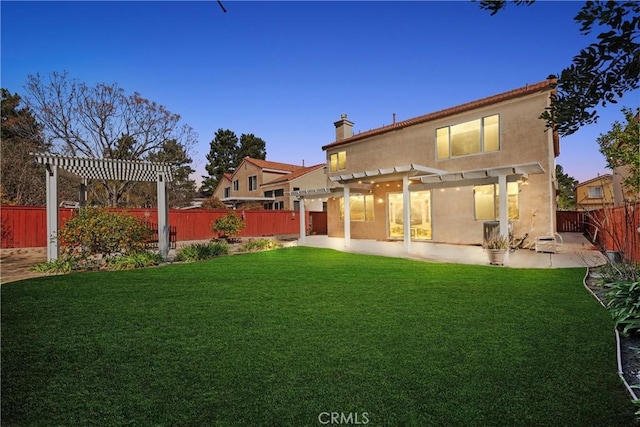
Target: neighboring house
[[269, 184], [596, 193], [447, 173]]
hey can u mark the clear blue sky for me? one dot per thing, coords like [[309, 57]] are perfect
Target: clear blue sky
[[285, 71]]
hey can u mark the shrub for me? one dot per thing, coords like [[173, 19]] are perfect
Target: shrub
[[62, 265], [95, 231], [619, 271], [260, 245], [134, 260], [213, 203], [623, 302], [229, 225], [201, 251]]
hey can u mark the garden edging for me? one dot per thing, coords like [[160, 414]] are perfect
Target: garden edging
[[615, 330]]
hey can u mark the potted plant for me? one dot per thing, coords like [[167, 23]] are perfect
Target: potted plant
[[497, 245]]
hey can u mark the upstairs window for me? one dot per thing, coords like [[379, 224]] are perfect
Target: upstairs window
[[253, 183], [595, 192], [268, 193], [472, 137], [338, 161], [278, 193], [236, 185], [227, 191]]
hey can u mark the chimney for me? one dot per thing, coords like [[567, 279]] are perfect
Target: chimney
[[344, 128]]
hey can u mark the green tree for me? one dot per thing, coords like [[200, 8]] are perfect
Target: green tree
[[621, 148], [103, 121], [250, 146], [221, 157], [23, 180], [225, 155], [567, 190], [601, 72]]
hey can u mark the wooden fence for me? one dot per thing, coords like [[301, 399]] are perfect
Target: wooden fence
[[570, 222], [616, 229], [26, 226]]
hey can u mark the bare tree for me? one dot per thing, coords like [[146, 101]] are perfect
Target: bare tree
[[93, 121]]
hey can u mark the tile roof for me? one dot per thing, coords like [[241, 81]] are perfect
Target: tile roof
[[266, 164], [602, 177], [516, 93], [295, 174]]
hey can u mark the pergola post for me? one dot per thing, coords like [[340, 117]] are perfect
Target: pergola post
[[504, 209], [406, 213], [163, 217], [347, 216], [303, 231], [53, 249]]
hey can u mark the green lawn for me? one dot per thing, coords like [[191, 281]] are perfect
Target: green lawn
[[277, 338]]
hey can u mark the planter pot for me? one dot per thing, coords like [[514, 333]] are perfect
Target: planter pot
[[496, 256]]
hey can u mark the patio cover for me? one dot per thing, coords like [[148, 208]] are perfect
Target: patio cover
[[80, 169], [427, 178]]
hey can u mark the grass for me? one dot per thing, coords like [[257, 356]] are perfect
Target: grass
[[276, 338]]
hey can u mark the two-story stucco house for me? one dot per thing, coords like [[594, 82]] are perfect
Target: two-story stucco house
[[269, 184], [596, 193], [441, 176]]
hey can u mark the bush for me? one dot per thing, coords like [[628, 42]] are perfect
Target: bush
[[213, 203], [229, 226], [201, 251], [134, 260], [260, 245], [619, 271], [58, 266], [623, 302], [95, 231]]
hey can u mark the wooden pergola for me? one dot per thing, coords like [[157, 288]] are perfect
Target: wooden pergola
[[80, 170]]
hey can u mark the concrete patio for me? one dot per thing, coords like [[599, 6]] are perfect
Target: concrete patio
[[574, 251]]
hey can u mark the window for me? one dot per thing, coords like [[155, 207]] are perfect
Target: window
[[338, 161], [236, 185], [268, 193], [296, 188], [420, 216], [472, 137], [595, 192], [361, 207], [487, 201], [278, 206], [278, 193], [296, 205], [253, 183], [227, 191]]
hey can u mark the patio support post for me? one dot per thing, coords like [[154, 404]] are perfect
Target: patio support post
[[347, 217], [53, 250], [406, 213], [163, 217], [303, 231], [504, 208]]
